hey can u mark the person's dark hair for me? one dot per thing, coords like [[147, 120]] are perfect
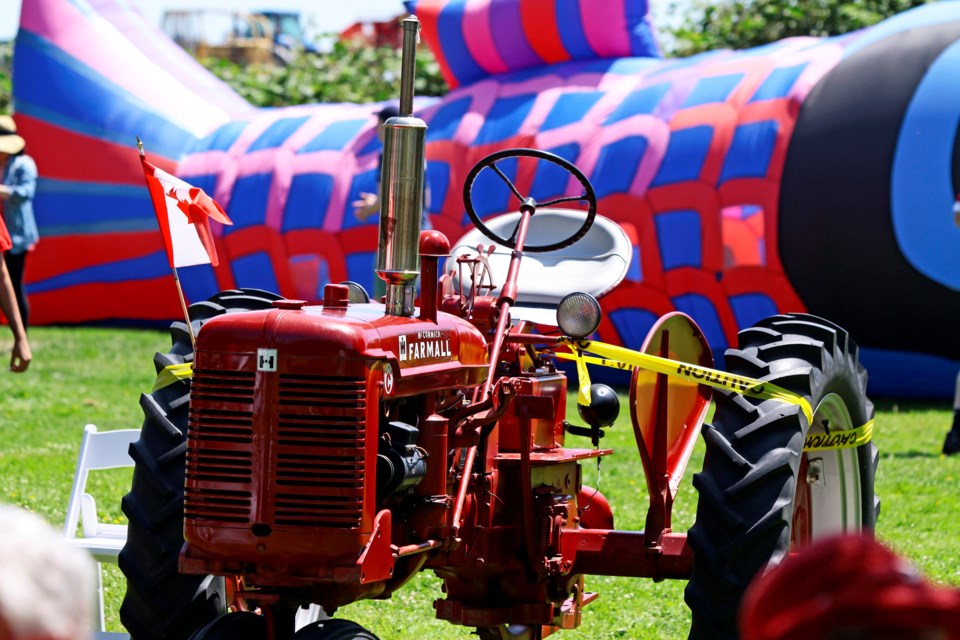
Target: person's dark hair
[[389, 111]]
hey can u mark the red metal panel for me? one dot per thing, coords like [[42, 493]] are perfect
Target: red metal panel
[[545, 432]]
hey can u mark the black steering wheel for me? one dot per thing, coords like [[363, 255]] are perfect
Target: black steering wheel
[[491, 160]]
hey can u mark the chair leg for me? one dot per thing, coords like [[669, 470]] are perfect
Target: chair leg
[[102, 625]]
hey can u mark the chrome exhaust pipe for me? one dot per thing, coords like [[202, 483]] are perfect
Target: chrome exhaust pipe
[[401, 188]]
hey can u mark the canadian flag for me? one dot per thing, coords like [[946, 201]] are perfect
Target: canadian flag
[[183, 212]]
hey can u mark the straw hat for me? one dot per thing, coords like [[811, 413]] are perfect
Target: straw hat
[[10, 142]]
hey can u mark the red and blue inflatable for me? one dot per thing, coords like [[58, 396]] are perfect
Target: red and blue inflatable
[[810, 175]]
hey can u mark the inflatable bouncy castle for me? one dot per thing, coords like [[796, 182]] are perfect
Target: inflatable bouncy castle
[[812, 175]]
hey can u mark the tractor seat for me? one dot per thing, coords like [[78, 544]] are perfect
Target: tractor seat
[[595, 264]]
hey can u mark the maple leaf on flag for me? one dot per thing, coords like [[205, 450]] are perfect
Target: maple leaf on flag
[[184, 213]]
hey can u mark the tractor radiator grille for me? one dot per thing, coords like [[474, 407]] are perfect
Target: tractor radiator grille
[[301, 464], [319, 444], [220, 447]]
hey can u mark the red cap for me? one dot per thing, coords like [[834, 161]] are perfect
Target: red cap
[[848, 587]]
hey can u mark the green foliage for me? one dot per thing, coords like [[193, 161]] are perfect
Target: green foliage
[[6, 77], [360, 74], [740, 24], [348, 73]]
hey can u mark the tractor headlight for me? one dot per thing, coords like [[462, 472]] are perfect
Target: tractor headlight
[[578, 315], [357, 294]]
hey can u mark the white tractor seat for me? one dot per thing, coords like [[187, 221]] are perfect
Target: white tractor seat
[[595, 264]]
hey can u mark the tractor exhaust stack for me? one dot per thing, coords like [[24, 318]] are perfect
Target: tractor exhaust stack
[[401, 188]]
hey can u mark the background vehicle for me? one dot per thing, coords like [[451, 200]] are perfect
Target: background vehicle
[[267, 37], [288, 31], [327, 453]]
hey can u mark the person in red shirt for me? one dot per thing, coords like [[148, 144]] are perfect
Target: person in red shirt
[[21, 356]]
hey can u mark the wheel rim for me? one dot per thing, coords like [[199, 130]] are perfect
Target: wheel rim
[[829, 484]]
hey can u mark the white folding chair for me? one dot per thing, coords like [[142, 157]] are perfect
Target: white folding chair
[[98, 450]]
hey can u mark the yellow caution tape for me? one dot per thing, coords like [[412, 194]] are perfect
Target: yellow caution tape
[[692, 372], [173, 373], [839, 439], [609, 355]]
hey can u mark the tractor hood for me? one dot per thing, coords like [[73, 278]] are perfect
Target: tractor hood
[[292, 337]]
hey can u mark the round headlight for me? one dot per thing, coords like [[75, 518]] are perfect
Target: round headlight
[[578, 315], [357, 294]]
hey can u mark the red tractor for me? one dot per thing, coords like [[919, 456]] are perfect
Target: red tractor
[[321, 454]]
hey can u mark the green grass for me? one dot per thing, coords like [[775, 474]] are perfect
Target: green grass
[[82, 375]]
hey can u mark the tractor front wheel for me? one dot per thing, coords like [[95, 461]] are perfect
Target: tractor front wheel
[[160, 603], [236, 625], [760, 494], [334, 629]]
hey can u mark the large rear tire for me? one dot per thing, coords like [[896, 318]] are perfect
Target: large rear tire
[[161, 604], [759, 492]]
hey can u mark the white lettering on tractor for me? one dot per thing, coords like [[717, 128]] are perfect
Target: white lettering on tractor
[[424, 345]]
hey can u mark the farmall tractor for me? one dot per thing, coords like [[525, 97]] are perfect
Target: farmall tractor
[[321, 454]]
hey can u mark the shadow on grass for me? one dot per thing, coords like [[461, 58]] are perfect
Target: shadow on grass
[[909, 455]]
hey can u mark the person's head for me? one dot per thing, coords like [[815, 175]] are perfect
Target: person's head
[[46, 586], [387, 112], [848, 587], [11, 143]]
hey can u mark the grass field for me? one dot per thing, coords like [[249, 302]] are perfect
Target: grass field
[[82, 375]]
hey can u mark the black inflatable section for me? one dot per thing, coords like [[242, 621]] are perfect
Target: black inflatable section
[[955, 164], [837, 242]]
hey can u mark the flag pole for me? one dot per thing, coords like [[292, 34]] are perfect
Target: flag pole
[[183, 305], [176, 277]]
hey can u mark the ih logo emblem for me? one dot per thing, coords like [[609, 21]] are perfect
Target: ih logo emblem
[[266, 359], [402, 357]]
